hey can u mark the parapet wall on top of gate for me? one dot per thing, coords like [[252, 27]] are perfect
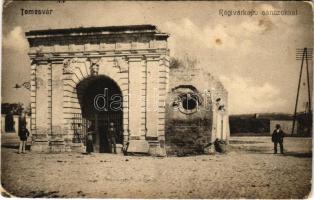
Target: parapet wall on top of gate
[[120, 39]]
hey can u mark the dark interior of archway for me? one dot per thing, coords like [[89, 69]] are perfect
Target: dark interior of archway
[[100, 99]]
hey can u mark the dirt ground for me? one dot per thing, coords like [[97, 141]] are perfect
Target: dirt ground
[[248, 170]]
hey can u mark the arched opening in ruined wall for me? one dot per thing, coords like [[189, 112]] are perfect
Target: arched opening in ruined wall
[[101, 100], [189, 121]]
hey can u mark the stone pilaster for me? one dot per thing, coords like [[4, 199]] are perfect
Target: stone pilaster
[[33, 98], [57, 143], [124, 86], [163, 85], [42, 114], [155, 112], [68, 96], [152, 98], [137, 105]]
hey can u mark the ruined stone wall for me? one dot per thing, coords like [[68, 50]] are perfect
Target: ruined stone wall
[[187, 133], [193, 130]]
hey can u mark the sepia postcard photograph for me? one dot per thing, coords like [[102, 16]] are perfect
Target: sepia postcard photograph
[[156, 99]]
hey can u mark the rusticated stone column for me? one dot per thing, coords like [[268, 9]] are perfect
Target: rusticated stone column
[[41, 131]]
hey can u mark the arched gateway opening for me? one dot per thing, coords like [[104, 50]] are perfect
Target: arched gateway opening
[[100, 99]]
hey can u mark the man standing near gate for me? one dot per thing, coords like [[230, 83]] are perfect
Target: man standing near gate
[[112, 137], [277, 137], [22, 132]]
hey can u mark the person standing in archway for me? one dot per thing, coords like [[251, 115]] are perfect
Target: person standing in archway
[[89, 139], [112, 137]]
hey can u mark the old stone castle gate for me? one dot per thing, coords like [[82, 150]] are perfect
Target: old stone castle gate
[[99, 75]]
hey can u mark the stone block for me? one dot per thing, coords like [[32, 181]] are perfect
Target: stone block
[[119, 148], [78, 147], [138, 146]]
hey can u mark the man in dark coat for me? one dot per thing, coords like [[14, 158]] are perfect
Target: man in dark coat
[[277, 137], [89, 139], [23, 133], [112, 137]]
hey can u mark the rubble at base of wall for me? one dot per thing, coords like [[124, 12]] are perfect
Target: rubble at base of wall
[[220, 146], [217, 147], [210, 150], [156, 150]]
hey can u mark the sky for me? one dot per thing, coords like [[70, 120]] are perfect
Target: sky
[[253, 56]]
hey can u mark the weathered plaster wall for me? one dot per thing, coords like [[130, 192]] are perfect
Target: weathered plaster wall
[[194, 131]]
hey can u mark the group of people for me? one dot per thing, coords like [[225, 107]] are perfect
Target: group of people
[[111, 138], [23, 133]]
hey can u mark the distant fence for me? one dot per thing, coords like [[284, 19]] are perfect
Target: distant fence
[[249, 125], [265, 126]]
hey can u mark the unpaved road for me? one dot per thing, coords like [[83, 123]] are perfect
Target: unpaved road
[[249, 170]]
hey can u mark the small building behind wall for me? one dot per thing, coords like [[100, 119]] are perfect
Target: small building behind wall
[[197, 111], [9, 131]]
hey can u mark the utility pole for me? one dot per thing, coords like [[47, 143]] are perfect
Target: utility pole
[[302, 54]]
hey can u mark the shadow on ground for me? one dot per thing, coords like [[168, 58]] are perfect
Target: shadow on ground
[[28, 147], [42, 194], [263, 150], [299, 154]]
